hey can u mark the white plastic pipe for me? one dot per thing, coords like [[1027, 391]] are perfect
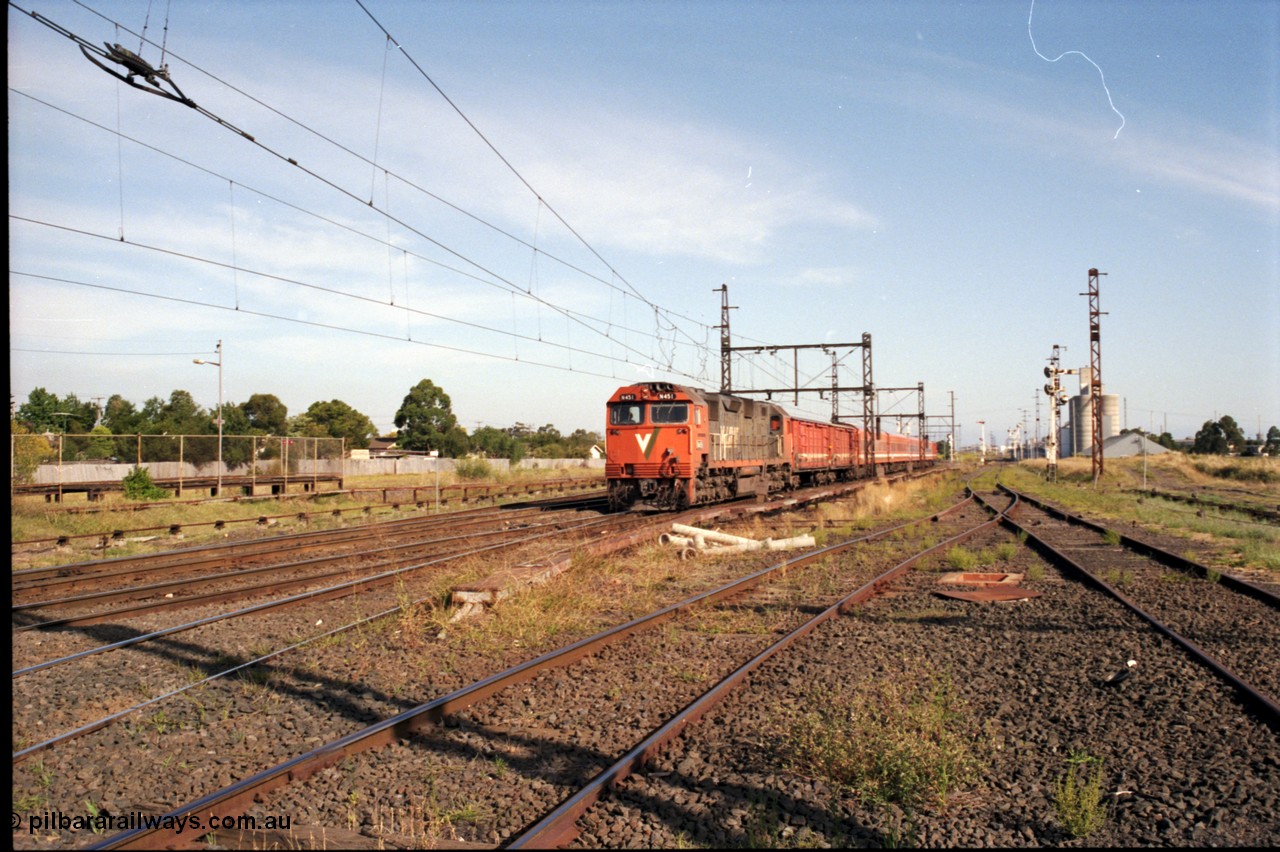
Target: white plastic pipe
[[791, 543], [711, 535]]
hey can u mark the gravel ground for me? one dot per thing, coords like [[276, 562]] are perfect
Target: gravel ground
[[1196, 768], [1026, 698]]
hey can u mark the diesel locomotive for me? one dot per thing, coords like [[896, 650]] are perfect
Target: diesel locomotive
[[670, 447]]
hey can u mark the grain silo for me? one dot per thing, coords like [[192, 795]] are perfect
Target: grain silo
[[1081, 426]]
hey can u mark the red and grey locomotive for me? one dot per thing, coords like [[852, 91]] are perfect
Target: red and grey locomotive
[[670, 447]]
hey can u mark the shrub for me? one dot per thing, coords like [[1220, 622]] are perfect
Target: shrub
[[472, 469], [138, 485]]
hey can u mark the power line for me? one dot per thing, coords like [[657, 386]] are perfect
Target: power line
[[571, 315], [310, 323], [106, 354], [307, 128], [316, 287], [499, 283]]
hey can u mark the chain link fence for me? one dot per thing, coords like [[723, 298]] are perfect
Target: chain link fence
[[50, 458]]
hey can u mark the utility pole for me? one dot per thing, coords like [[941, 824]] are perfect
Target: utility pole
[[1095, 365], [1034, 447], [218, 364], [726, 366], [951, 438], [982, 447]]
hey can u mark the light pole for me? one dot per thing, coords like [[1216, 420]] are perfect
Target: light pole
[[435, 463], [217, 364]]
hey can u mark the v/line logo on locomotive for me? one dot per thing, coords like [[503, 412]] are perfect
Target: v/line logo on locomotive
[[644, 441], [670, 447]]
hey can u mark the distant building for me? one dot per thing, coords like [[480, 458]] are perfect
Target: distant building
[[1130, 444], [383, 448]]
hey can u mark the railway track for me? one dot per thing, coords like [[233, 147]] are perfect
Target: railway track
[[602, 665], [1227, 623], [248, 571], [1180, 758], [1230, 500], [598, 740], [57, 654]]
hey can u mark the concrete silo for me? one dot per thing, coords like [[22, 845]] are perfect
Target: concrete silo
[[1081, 427]]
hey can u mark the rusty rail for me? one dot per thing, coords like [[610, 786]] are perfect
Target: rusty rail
[[238, 797]]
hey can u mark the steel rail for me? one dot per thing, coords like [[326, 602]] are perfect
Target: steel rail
[[238, 797], [188, 583], [227, 549], [97, 724], [1193, 499], [559, 827], [368, 508], [1269, 709], [329, 592], [1148, 549]]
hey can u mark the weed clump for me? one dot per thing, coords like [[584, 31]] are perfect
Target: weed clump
[[962, 559], [1078, 796], [887, 744]]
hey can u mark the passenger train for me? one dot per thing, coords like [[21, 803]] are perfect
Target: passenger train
[[672, 447]]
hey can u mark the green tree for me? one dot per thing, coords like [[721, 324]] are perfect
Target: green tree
[[1232, 432], [37, 413], [138, 486], [179, 415], [46, 412], [496, 443], [578, 445], [1219, 438], [455, 443], [266, 414], [236, 450], [101, 446], [1272, 446], [121, 416], [425, 418], [334, 419], [1210, 440], [29, 451]]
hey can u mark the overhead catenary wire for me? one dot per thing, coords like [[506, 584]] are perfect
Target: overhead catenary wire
[[672, 330], [613, 272], [310, 323], [296, 282], [495, 279], [574, 316]]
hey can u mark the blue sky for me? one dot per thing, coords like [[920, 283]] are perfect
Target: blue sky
[[917, 171]]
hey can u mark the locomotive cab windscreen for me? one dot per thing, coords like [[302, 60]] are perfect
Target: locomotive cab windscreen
[[661, 413], [626, 413]]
